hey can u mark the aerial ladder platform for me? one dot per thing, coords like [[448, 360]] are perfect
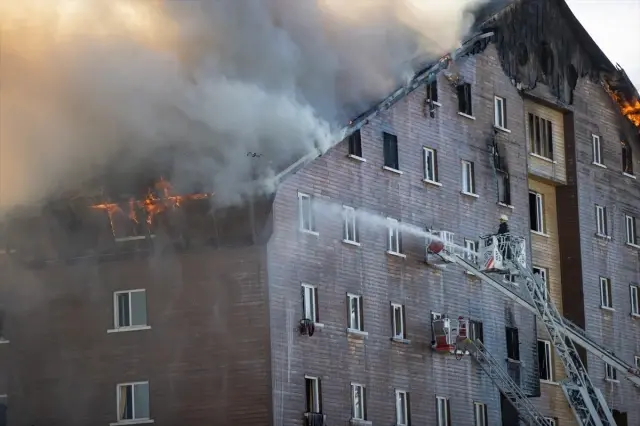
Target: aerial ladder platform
[[505, 254]]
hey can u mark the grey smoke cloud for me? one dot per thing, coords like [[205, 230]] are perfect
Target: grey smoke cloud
[[86, 84]]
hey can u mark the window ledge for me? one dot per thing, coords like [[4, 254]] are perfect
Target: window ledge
[[392, 170], [307, 231], [513, 361], [133, 422], [436, 103], [611, 380], [599, 165], [393, 253], [134, 328], [542, 234], [635, 246], [471, 274], [549, 382], [132, 238], [606, 308], [357, 333], [351, 243], [470, 117], [432, 182], [502, 129], [359, 422], [509, 206], [356, 158], [469, 194], [543, 158], [602, 236], [629, 176], [3, 341], [401, 340], [634, 316], [318, 325]]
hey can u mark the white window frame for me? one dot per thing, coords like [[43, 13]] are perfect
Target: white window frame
[[429, 161], [316, 393], [358, 326], [468, 178], [473, 245], [302, 198], [606, 299], [637, 361], [310, 302], [539, 213], [601, 221], [610, 373], [551, 421], [549, 359], [399, 331], [393, 236], [350, 230], [597, 150], [134, 419], [499, 115], [480, 414], [634, 296], [442, 411], [116, 311], [544, 144], [402, 408], [630, 226], [361, 413], [544, 275]]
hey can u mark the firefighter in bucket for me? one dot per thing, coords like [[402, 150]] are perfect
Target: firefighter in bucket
[[450, 336], [504, 238]]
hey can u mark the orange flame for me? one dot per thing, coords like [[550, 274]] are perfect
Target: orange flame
[[631, 110]]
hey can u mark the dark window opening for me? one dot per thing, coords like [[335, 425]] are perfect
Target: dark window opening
[[544, 360], [313, 395], [391, 151], [541, 136], [513, 344], [355, 144], [504, 189], [475, 331], [627, 158], [464, 99], [432, 91]]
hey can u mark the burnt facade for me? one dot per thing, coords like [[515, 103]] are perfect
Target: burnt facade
[[202, 321]]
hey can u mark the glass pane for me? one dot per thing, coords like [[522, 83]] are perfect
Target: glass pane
[[354, 313], [139, 308], [141, 401], [125, 403], [401, 406], [357, 402], [124, 319], [397, 311]]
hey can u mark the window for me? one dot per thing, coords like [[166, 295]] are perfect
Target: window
[[605, 293], [312, 388], [601, 220], [310, 302], [504, 188], [464, 99], [475, 331], [442, 411], [130, 308], [500, 112], [637, 360], [610, 373], [597, 150], [430, 160], [550, 421], [510, 279], [541, 136], [545, 366], [480, 414], [432, 91], [307, 222], [472, 247], [513, 344], [133, 401], [394, 240], [390, 151], [627, 158], [536, 212], [402, 408], [635, 303], [355, 144], [543, 275], [398, 321], [632, 236], [356, 318], [468, 180], [350, 231], [358, 402]]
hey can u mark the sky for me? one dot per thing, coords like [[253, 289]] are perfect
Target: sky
[[615, 26]]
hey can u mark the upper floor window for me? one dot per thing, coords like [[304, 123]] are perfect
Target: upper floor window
[[130, 309], [601, 221], [133, 401], [398, 321], [355, 309], [350, 228], [606, 300], [355, 144], [536, 212], [305, 213], [627, 158], [394, 238], [541, 136], [610, 373], [402, 408], [464, 99], [358, 402], [432, 91], [430, 161], [390, 151], [313, 395], [500, 112], [480, 414], [443, 417], [468, 178], [545, 365], [476, 331], [551, 421], [630, 225], [635, 300], [597, 150], [310, 302], [513, 344], [472, 248], [542, 272]]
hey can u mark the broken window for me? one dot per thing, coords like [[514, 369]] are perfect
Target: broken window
[[475, 331], [355, 144], [464, 99], [513, 344], [627, 158], [541, 136], [545, 367], [432, 91], [391, 151]]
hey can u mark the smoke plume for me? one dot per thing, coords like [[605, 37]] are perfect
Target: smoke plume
[[225, 90]]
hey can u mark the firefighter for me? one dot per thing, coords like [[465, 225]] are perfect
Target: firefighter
[[504, 226], [504, 238]]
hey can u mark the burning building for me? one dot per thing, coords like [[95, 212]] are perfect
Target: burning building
[[147, 300]]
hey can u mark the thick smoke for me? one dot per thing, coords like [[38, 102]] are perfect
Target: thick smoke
[[95, 83]]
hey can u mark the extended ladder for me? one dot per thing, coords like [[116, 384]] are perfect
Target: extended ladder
[[526, 410], [586, 401]]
